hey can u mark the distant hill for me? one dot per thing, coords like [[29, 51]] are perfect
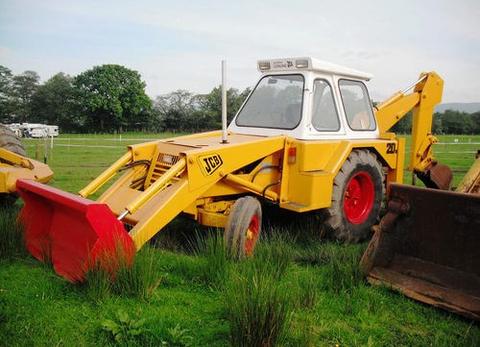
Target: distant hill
[[468, 107]]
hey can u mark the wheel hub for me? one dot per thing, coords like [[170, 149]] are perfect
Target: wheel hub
[[252, 234], [358, 198]]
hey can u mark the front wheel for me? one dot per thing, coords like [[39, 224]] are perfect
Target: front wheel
[[358, 192], [243, 227]]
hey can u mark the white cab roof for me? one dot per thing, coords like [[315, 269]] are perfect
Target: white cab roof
[[290, 64]]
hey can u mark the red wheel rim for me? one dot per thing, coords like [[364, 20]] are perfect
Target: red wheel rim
[[251, 235], [358, 198]]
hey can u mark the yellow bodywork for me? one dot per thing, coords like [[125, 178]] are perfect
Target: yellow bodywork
[[186, 182], [201, 177], [427, 93], [14, 167], [471, 181]]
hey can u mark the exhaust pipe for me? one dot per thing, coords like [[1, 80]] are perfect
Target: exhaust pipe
[[224, 101]]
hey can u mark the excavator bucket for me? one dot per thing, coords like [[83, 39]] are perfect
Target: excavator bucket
[[427, 247], [75, 234]]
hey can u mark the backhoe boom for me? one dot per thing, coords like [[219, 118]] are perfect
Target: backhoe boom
[[427, 93]]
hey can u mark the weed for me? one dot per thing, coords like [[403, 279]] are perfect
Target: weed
[[11, 232], [177, 336], [123, 328]]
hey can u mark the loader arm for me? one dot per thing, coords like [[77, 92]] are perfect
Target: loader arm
[[14, 166], [427, 92], [183, 182], [154, 182]]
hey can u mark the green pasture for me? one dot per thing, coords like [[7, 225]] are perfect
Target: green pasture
[[299, 290]]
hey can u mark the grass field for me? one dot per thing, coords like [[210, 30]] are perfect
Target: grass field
[[305, 290]]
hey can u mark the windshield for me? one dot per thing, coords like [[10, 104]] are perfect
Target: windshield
[[276, 102]]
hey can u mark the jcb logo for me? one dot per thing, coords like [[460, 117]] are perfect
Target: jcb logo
[[210, 163]]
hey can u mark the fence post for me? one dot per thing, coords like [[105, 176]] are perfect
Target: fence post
[[37, 150], [45, 150]]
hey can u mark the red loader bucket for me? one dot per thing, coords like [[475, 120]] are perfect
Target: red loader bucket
[[74, 233]]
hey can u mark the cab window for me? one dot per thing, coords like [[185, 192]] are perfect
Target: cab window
[[276, 102], [356, 103], [324, 112]]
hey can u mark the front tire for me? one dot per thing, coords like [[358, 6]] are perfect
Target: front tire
[[243, 227], [358, 192]]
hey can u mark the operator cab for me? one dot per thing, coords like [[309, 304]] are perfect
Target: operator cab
[[307, 99]]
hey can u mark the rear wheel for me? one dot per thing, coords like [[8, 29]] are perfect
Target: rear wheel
[[10, 142], [358, 192], [243, 227]]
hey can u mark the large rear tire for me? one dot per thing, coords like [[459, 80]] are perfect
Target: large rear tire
[[10, 142], [358, 192], [243, 227]]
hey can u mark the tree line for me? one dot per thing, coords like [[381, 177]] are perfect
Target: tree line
[[108, 98], [447, 122], [112, 98]]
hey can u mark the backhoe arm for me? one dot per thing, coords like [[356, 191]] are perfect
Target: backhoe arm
[[427, 92]]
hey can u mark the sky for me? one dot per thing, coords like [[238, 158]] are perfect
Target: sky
[[180, 44]]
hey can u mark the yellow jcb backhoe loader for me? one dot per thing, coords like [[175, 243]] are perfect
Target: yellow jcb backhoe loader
[[15, 165], [307, 139]]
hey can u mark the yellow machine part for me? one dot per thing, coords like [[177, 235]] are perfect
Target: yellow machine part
[[201, 177], [14, 167], [471, 181]]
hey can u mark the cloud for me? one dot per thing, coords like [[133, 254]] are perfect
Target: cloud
[[179, 45], [5, 52]]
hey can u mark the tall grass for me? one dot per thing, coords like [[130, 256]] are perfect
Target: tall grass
[[258, 303], [142, 278], [138, 280], [258, 308], [274, 252], [341, 273], [214, 269], [307, 290], [11, 233]]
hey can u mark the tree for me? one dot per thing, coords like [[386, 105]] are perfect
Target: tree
[[178, 110], [454, 122], [5, 94], [476, 122], [211, 103], [55, 102], [113, 97], [23, 88]]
